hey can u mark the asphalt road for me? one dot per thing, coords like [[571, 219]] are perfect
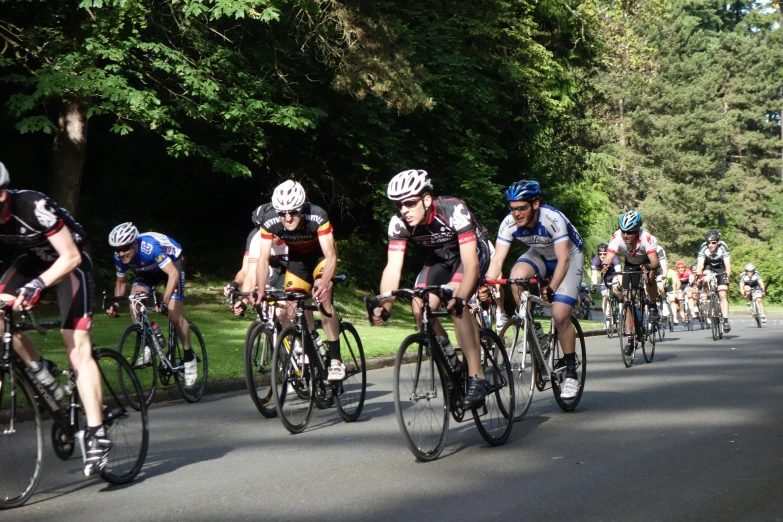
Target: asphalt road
[[696, 435]]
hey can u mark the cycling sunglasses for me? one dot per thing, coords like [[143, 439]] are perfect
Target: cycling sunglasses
[[291, 213], [123, 249], [408, 203]]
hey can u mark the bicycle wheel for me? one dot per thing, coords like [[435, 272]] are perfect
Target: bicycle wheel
[[624, 333], [323, 398], [495, 419], [21, 452], [713, 320], [522, 366], [293, 383], [558, 365], [258, 367], [421, 400], [351, 392], [194, 392], [608, 315], [648, 348], [757, 313], [127, 428], [132, 348]]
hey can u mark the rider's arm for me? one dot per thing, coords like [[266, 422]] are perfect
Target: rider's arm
[[240, 277], [390, 280], [262, 266], [563, 261], [330, 266], [496, 263], [594, 274], [120, 286], [171, 285], [700, 266], [653, 262], [727, 264], [249, 280], [69, 257], [470, 265]]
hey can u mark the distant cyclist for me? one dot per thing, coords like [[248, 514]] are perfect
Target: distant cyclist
[[682, 289], [751, 286], [156, 259], [555, 251], [638, 248], [596, 266], [51, 247], [714, 258]]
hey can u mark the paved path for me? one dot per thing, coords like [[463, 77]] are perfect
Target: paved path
[[696, 435]]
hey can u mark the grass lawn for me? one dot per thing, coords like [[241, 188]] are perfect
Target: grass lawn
[[224, 333]]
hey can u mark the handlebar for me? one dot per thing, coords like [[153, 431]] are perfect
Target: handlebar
[[519, 282], [444, 292], [39, 327]]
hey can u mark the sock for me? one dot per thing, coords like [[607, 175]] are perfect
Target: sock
[[189, 355], [334, 350], [95, 431]]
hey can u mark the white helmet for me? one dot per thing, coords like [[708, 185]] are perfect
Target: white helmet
[[123, 234], [750, 267], [289, 195], [408, 183], [5, 178]]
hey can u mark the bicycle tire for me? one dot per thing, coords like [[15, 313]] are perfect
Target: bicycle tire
[[131, 348], [421, 399], [581, 368], [21, 452], [757, 313], [353, 389], [127, 428], [624, 334], [293, 384], [496, 418], [648, 349], [521, 360], [194, 392], [713, 320], [258, 367]]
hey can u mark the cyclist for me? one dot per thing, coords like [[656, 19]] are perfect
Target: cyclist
[[751, 285], [555, 251], [458, 255], [682, 289], [596, 265], [714, 258], [312, 256], [245, 279], [156, 259], [52, 247], [585, 300], [661, 274], [638, 248]]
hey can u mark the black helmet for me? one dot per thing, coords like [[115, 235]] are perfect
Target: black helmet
[[258, 214], [712, 235], [603, 247]]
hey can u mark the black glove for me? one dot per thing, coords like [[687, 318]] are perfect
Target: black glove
[[31, 292], [547, 294]]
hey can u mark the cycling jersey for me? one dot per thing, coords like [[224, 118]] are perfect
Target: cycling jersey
[[597, 264], [685, 276], [34, 218], [278, 256], [154, 252], [638, 253], [303, 240], [752, 281], [551, 228], [714, 260], [450, 224]]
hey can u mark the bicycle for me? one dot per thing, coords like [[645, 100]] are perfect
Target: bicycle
[[299, 382], [533, 363], [713, 308], [24, 402], [140, 346], [632, 309], [427, 390], [610, 313], [756, 312], [687, 310]]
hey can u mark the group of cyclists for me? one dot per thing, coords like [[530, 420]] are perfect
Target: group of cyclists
[[292, 246]]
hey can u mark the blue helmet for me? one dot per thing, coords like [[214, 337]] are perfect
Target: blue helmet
[[631, 221], [523, 190]]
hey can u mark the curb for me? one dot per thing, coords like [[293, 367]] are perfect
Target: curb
[[171, 393]]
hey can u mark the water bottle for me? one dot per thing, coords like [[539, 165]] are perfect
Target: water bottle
[[319, 344], [158, 335], [44, 376], [486, 317]]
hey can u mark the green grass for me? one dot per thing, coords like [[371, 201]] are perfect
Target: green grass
[[224, 333]]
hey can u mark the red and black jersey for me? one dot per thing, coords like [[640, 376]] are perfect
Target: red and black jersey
[[35, 217], [450, 224]]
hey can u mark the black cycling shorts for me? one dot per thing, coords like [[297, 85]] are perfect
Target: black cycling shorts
[[633, 278], [151, 280], [303, 269], [75, 293], [440, 271], [276, 277]]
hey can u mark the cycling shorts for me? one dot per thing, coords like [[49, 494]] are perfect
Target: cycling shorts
[[75, 293], [440, 271], [303, 270], [720, 276], [276, 277], [568, 291], [755, 291], [634, 279], [151, 280]]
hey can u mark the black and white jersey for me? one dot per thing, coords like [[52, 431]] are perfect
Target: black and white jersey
[[714, 260], [34, 218], [752, 281]]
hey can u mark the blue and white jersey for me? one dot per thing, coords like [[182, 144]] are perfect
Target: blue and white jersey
[[552, 228], [155, 251]]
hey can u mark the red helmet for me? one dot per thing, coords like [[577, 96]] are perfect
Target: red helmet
[[680, 264]]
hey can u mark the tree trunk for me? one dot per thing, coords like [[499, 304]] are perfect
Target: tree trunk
[[69, 151]]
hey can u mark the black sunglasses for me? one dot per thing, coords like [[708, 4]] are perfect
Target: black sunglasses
[[408, 203], [294, 212], [123, 249], [714, 242]]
